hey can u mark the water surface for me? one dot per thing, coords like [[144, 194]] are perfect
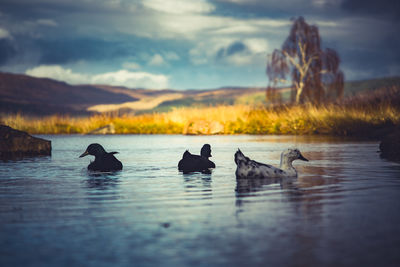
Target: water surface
[[342, 210]]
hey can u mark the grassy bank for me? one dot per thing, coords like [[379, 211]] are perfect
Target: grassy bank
[[359, 116]]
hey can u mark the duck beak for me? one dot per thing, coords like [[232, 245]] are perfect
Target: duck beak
[[84, 154], [301, 157]]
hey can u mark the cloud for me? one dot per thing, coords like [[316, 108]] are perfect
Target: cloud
[[132, 79], [162, 59], [282, 8], [4, 34], [157, 60], [7, 50], [235, 48], [67, 49], [205, 26], [119, 78], [47, 22], [257, 45], [229, 50], [179, 6], [131, 65], [226, 34], [171, 56], [373, 7], [236, 53], [58, 73]]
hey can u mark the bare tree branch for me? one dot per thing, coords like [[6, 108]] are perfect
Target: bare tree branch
[[315, 72]]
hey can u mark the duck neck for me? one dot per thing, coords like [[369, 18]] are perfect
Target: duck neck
[[286, 164]]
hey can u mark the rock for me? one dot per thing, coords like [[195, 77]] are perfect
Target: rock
[[390, 146], [204, 127], [108, 129], [16, 144]]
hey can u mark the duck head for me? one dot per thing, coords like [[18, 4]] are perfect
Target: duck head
[[206, 151], [94, 150], [292, 154]]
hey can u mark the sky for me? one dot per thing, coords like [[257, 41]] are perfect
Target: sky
[[188, 44]]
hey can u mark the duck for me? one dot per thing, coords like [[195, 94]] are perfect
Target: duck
[[104, 161], [196, 163], [247, 168]]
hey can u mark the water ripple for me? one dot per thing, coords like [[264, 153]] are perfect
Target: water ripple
[[53, 212]]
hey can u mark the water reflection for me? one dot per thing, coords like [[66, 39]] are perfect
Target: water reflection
[[318, 182], [305, 198], [248, 185], [102, 181], [198, 184], [206, 171], [151, 213], [22, 159], [101, 190]]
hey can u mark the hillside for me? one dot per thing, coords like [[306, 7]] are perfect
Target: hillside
[[21, 93], [40, 96], [352, 88], [166, 100]]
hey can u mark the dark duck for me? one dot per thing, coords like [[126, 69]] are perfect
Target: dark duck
[[104, 161], [196, 163]]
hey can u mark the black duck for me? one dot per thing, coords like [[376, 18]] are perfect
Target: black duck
[[104, 161], [196, 163]]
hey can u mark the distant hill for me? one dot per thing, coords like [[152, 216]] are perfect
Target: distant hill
[[355, 87], [22, 93], [41, 96]]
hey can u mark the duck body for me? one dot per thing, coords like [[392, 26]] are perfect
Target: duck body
[[196, 163], [104, 161], [247, 168]]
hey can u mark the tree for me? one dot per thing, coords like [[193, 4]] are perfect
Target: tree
[[273, 96], [315, 73]]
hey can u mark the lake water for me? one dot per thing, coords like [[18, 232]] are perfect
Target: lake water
[[342, 210]]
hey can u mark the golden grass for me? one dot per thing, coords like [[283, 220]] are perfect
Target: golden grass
[[240, 119]]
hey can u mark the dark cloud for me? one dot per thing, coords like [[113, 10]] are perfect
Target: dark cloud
[[27, 9], [61, 51], [367, 62], [7, 51], [377, 56], [373, 7], [232, 49], [276, 9], [250, 10], [105, 34]]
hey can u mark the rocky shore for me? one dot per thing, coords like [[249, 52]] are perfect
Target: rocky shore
[[17, 144]]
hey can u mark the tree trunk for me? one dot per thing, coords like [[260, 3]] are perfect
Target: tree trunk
[[299, 92]]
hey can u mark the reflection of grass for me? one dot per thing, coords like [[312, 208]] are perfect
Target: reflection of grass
[[355, 117]]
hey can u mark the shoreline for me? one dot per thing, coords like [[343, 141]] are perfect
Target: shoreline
[[333, 121]]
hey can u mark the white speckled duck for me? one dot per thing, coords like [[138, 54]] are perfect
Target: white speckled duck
[[247, 168]]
